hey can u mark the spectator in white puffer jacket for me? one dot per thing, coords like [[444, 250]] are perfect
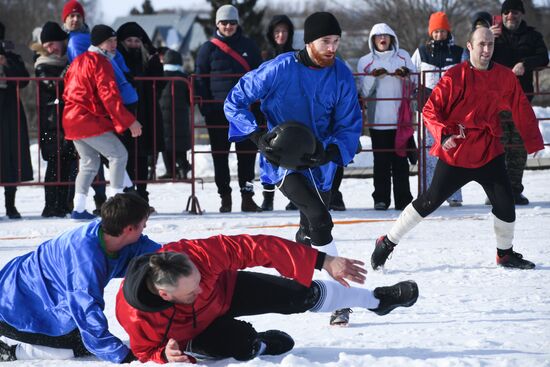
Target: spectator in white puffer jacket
[[387, 67]]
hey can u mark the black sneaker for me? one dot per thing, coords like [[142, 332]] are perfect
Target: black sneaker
[[337, 202], [291, 206], [520, 199], [382, 250], [514, 260], [276, 342], [402, 294], [302, 237], [7, 353], [340, 317]]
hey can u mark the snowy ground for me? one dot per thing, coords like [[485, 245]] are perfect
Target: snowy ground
[[469, 313]]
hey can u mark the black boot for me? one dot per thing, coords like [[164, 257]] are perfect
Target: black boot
[[98, 200], [11, 210], [247, 203], [337, 202], [276, 342], [226, 203], [267, 204]]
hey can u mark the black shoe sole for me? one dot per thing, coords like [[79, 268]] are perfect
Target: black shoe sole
[[407, 304]]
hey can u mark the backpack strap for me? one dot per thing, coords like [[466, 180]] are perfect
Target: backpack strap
[[234, 54]]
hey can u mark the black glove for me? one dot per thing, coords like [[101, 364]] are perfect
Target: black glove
[[256, 135], [130, 357], [403, 72], [262, 140], [321, 156], [378, 72]]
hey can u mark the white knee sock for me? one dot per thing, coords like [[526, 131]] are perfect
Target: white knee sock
[[406, 221], [335, 296], [331, 250], [25, 351], [504, 233], [79, 202]]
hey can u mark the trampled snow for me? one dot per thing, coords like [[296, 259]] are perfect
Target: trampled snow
[[470, 312]]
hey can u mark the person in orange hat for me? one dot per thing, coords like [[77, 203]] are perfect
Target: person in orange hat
[[432, 59]]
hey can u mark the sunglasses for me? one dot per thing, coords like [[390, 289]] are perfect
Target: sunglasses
[[514, 12], [226, 22]]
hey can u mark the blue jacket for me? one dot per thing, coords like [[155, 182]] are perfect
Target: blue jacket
[[323, 99], [212, 60], [59, 287], [79, 43]]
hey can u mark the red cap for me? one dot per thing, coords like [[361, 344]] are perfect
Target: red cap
[[70, 7], [438, 20]]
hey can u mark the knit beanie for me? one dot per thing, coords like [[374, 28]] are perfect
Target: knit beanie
[[101, 33], [227, 12], [72, 6], [512, 5], [129, 29], [51, 31], [321, 24], [438, 20], [172, 57]]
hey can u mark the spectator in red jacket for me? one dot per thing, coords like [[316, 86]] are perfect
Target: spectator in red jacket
[[186, 297], [93, 112], [462, 115]]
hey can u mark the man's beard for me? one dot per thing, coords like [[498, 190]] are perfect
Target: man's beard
[[321, 59]]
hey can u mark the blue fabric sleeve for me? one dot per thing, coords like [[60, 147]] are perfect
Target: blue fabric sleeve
[[78, 44]]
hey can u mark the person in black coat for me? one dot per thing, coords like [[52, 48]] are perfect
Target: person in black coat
[[174, 104], [522, 49], [213, 60], [59, 153], [15, 156], [143, 61]]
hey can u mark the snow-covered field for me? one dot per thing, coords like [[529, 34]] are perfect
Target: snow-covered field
[[469, 313]]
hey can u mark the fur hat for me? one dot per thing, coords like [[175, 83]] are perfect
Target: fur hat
[[512, 5], [70, 7], [130, 29], [51, 31], [227, 12], [101, 33], [438, 20], [320, 24]]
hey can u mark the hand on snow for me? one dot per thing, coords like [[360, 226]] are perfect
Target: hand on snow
[[174, 354], [341, 268]]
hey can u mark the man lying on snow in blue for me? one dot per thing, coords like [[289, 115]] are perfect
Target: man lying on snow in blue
[[51, 300]]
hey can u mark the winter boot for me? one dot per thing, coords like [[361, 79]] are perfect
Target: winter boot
[[340, 317], [11, 210], [511, 259], [337, 202], [226, 203], [7, 353], [98, 200], [402, 294], [247, 203], [267, 204], [520, 199], [276, 342], [382, 250]]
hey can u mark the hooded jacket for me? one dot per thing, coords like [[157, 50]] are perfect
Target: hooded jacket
[[151, 322], [383, 112], [525, 45], [93, 105], [275, 49], [473, 98], [59, 288], [324, 99]]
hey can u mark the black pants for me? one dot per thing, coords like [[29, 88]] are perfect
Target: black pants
[[60, 196], [72, 340], [220, 145], [255, 294], [315, 219], [492, 177], [388, 166]]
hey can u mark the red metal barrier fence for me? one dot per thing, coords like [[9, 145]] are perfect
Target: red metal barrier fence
[[195, 124]]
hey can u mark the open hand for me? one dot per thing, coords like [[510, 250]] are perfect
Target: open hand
[[174, 354], [341, 268]]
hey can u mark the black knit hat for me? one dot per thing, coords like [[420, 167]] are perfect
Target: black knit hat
[[512, 5], [101, 33], [51, 31], [172, 57], [320, 24], [129, 29]]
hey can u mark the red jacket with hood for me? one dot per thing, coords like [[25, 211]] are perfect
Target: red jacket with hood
[[93, 105], [473, 98], [217, 258]]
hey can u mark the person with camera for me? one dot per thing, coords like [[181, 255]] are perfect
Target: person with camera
[[15, 156], [317, 90]]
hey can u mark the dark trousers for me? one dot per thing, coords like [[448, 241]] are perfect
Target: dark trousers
[[515, 155], [388, 166], [60, 196], [220, 145], [255, 294], [492, 177], [71, 340], [315, 218]]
